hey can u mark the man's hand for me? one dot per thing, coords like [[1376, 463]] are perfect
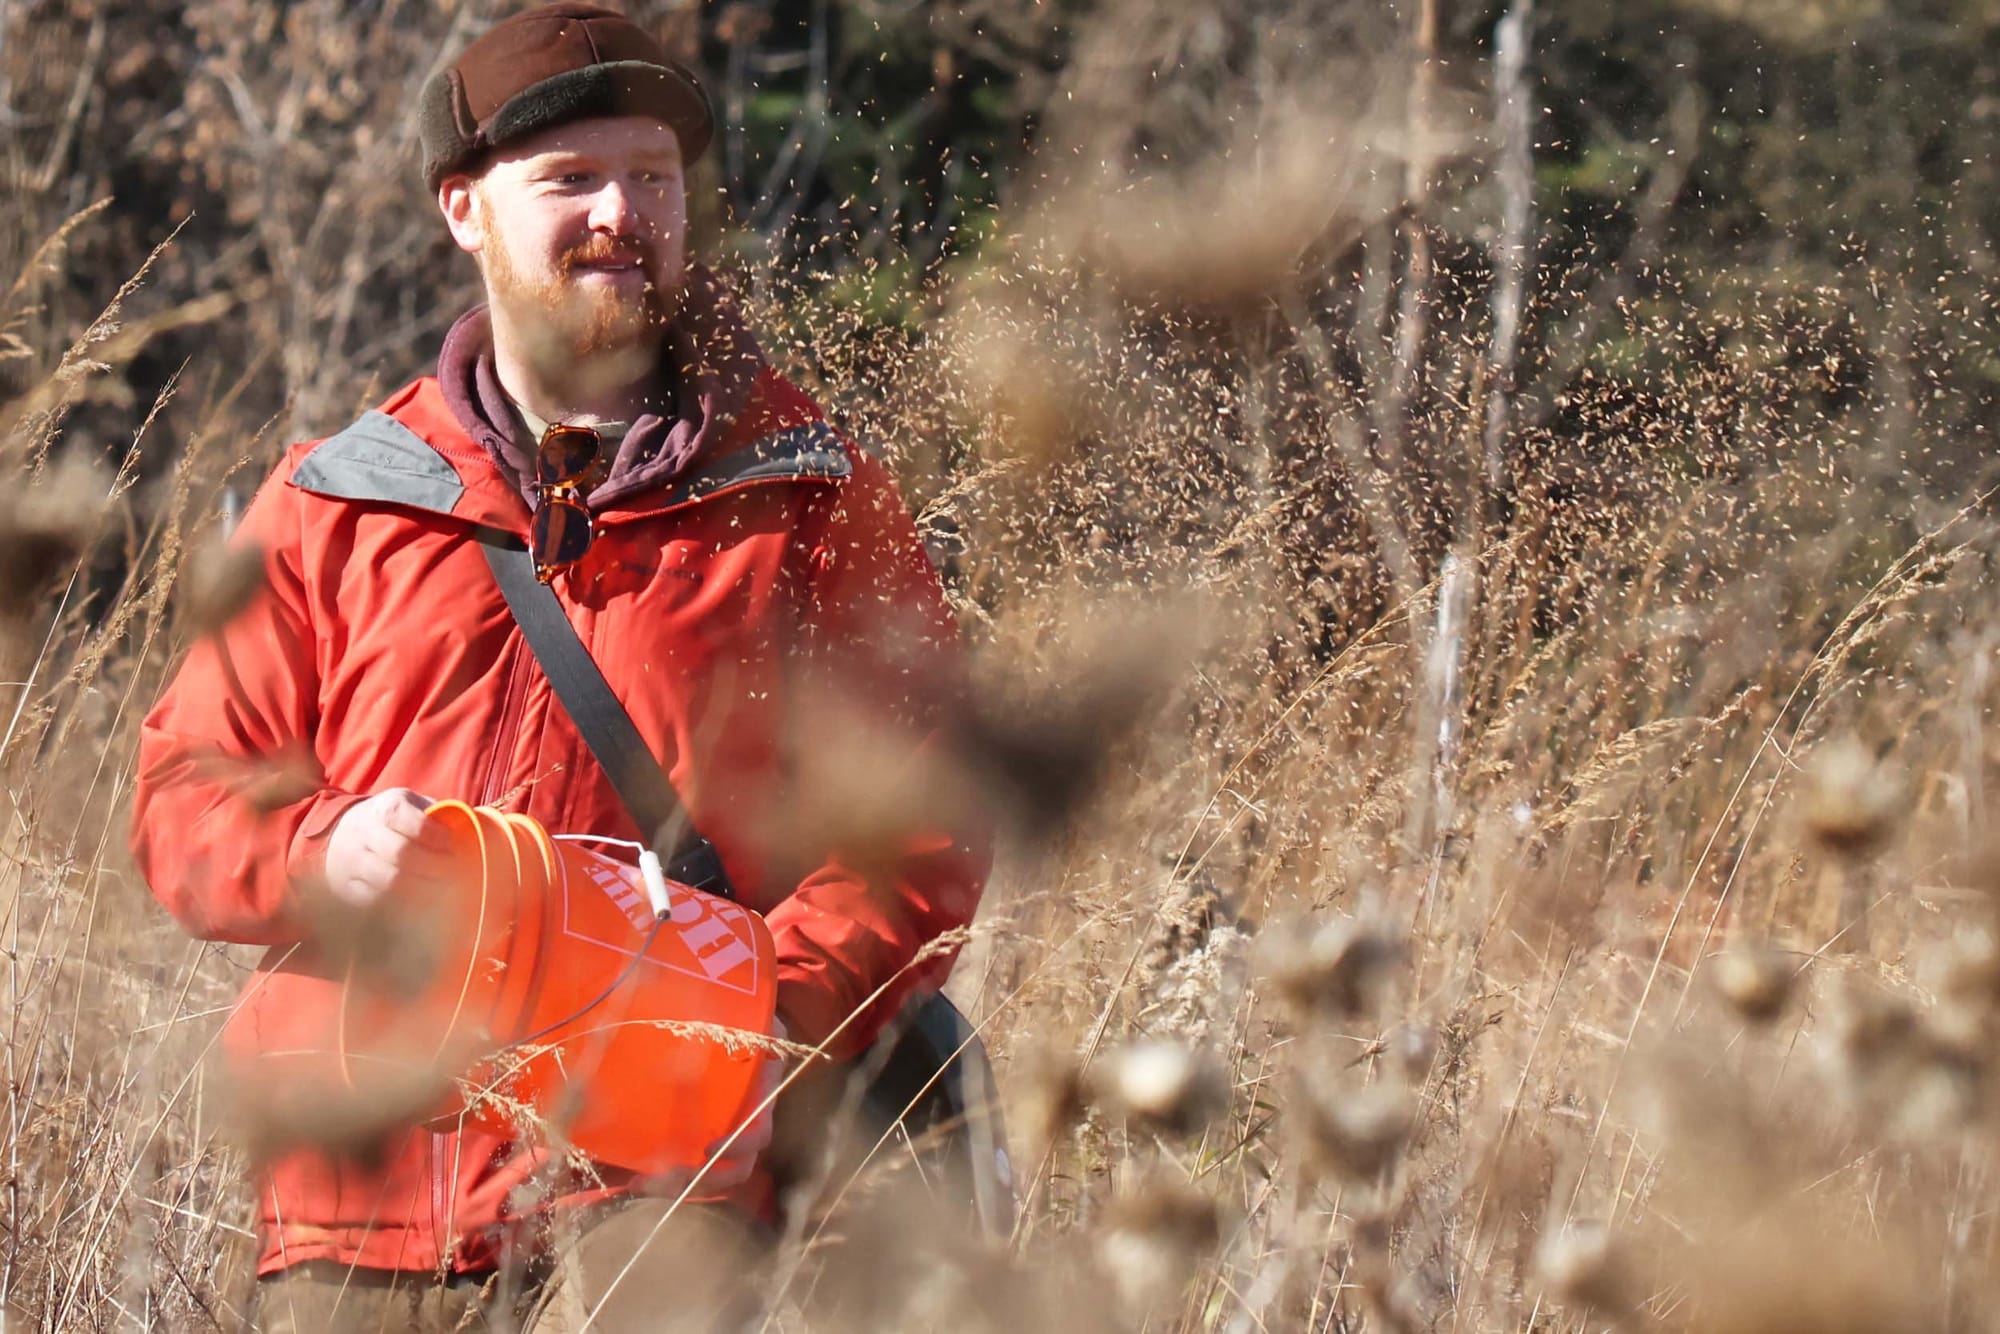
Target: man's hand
[[383, 842]]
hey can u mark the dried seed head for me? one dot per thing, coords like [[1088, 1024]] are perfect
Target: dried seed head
[[1155, 1238], [1515, 1172], [1917, 1074], [219, 582], [1016, 373], [840, 733], [346, 1119], [45, 526], [1581, 1266], [1755, 980], [1971, 974], [1870, 1028], [1780, 1269], [1043, 750], [1981, 872], [265, 782], [1169, 1087], [1943, 1094], [1353, 1133], [1279, 198], [1047, 1093], [1956, 1034], [385, 946], [1414, 1046], [275, 781], [1851, 801], [1339, 968]]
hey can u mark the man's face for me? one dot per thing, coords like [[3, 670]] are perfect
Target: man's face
[[580, 232]]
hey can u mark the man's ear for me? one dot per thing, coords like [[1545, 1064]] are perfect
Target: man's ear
[[460, 202]]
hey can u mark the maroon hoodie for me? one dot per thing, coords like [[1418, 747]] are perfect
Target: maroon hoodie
[[707, 364]]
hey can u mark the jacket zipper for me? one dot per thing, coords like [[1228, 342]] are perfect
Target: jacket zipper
[[441, 1210], [505, 735], [504, 739]]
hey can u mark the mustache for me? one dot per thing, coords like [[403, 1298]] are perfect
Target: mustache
[[606, 250]]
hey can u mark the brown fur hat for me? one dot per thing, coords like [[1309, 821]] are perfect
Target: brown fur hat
[[552, 64]]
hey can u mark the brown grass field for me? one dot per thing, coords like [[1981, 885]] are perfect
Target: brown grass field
[[1479, 856]]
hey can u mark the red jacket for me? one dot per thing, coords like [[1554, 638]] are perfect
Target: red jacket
[[382, 650]]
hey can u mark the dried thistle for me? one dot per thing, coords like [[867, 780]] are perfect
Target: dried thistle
[[1047, 1095], [1580, 1265], [219, 582], [1016, 375], [276, 781], [1918, 1073], [1339, 968], [385, 946], [358, 1118], [1353, 1133], [1044, 749], [1789, 1274], [1414, 1048], [1870, 1028], [1851, 800], [1756, 981], [1971, 973], [1155, 1237], [1981, 872], [44, 528], [1165, 1086], [1292, 189], [840, 734]]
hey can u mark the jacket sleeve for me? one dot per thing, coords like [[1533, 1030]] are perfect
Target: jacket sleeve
[[881, 646], [230, 808]]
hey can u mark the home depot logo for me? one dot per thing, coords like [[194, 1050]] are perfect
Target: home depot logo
[[625, 894], [702, 923]]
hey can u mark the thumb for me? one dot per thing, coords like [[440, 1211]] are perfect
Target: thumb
[[404, 813], [404, 796]]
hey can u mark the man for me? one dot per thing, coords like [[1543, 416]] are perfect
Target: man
[[732, 565]]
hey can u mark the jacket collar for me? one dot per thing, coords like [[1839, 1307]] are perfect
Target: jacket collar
[[413, 453]]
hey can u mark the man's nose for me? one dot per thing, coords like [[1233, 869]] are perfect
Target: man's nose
[[612, 212]]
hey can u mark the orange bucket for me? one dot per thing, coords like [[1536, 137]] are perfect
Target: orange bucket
[[586, 1013]]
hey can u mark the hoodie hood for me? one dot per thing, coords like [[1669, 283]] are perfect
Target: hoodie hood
[[708, 363]]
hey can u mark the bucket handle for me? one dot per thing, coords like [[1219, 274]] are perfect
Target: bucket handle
[[650, 871]]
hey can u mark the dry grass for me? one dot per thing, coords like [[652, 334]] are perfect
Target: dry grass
[[1443, 891]]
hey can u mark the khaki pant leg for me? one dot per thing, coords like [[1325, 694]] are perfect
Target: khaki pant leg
[[641, 1267], [328, 1298]]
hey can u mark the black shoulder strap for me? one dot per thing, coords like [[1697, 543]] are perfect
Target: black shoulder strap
[[605, 726]]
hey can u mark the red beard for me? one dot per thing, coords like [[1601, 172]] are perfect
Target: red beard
[[583, 321]]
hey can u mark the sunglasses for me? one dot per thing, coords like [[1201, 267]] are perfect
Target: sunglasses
[[562, 529]]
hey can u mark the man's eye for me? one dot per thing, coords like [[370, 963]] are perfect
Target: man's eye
[[572, 178]]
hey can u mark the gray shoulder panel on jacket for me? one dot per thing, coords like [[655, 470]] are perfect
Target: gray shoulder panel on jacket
[[379, 458]]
